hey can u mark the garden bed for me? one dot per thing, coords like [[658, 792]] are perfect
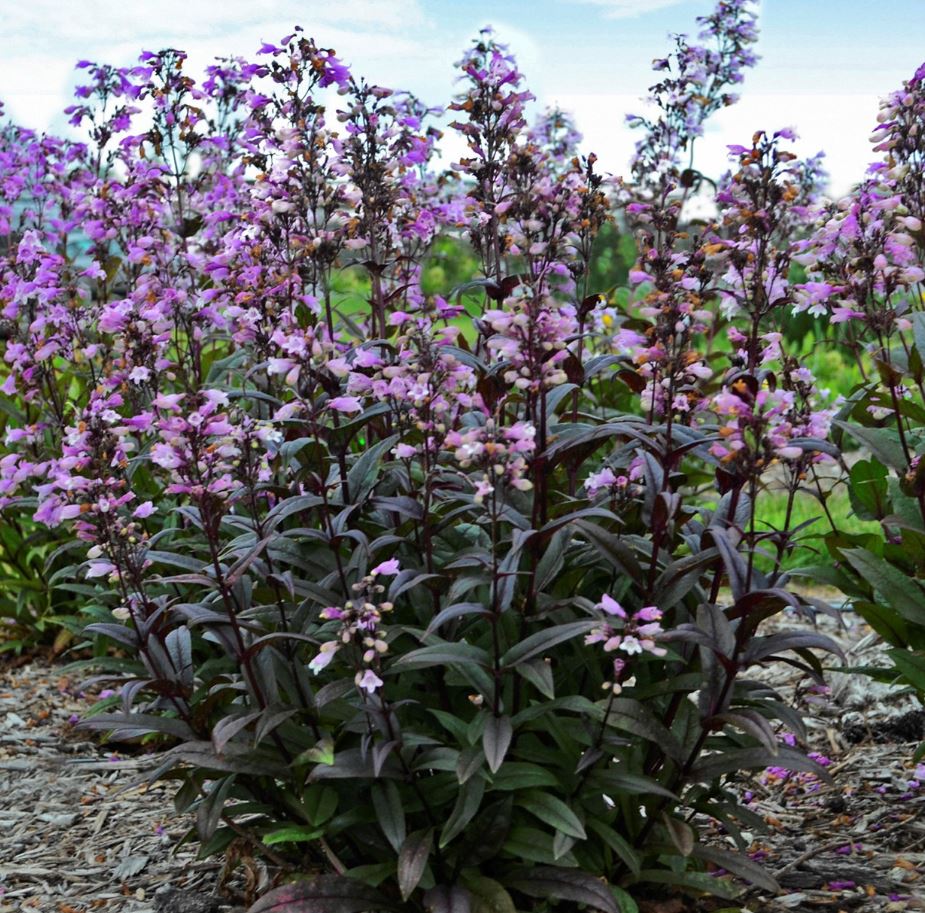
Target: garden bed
[[79, 834], [76, 832]]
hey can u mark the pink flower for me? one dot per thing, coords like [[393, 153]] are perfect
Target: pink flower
[[347, 404], [387, 568], [144, 510], [611, 606], [648, 613], [100, 569], [844, 314], [600, 480], [324, 656], [368, 681]]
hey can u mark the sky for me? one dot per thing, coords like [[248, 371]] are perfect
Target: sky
[[824, 62]]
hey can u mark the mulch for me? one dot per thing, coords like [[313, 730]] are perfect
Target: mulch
[[76, 832], [80, 832]]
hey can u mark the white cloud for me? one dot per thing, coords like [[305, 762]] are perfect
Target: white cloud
[[91, 22], [629, 9], [838, 124], [390, 41]]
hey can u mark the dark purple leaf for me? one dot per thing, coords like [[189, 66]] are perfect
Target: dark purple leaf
[[545, 882], [323, 894], [496, 739], [443, 899], [412, 860]]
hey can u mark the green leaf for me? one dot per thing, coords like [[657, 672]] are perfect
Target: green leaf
[[883, 443], [292, 834], [911, 666], [533, 845], [321, 753], [539, 674], [739, 864], [361, 479], [901, 592], [389, 812], [467, 804], [552, 811], [696, 881], [470, 763], [619, 844], [632, 716], [887, 623], [488, 895], [486, 834], [626, 903], [441, 654], [320, 803], [523, 775], [868, 490], [546, 639]]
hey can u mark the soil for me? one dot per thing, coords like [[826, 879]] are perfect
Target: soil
[[80, 832]]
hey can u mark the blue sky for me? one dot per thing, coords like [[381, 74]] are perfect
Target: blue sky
[[824, 63]]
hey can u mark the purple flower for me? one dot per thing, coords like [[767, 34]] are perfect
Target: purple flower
[[347, 404], [387, 568]]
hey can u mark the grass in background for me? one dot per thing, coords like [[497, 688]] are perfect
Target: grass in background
[[810, 549]]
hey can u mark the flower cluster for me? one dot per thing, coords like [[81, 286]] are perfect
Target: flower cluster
[[360, 627], [629, 634]]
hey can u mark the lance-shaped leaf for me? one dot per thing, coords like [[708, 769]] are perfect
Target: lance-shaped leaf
[[134, 725], [883, 443], [715, 765], [228, 727], [496, 739], [540, 641], [488, 895], [441, 654], [323, 894], [448, 899], [738, 864], [412, 860], [485, 836], [612, 549], [457, 610], [902, 593], [545, 882], [763, 647], [389, 813], [617, 843], [736, 570], [552, 811], [681, 834], [467, 804]]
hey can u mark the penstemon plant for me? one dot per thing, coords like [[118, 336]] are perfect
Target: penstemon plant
[[866, 265], [448, 601]]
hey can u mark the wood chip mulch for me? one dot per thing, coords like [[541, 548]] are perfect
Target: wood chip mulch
[[77, 833], [857, 843]]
